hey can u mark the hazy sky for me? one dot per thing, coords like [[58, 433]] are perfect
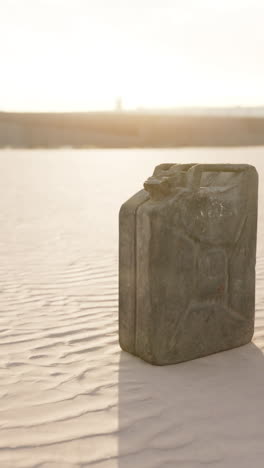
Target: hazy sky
[[83, 54]]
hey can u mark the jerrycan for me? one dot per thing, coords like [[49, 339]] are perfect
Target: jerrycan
[[187, 254]]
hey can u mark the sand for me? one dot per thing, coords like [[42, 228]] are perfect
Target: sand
[[69, 396]]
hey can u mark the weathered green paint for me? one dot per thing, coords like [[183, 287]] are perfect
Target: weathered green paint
[[187, 262]]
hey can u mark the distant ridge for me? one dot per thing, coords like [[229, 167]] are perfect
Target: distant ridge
[[237, 111], [141, 128]]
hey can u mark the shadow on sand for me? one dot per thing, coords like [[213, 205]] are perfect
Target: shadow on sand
[[205, 412]]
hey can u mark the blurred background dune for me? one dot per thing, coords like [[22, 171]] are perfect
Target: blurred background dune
[[111, 73]]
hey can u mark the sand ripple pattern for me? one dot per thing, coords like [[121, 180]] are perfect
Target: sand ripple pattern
[[69, 397], [58, 361]]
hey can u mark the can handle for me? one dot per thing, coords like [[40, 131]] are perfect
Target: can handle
[[194, 174]]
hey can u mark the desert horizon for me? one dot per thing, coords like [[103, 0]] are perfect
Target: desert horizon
[[134, 129]]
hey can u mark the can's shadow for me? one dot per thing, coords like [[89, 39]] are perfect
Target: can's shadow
[[208, 411]]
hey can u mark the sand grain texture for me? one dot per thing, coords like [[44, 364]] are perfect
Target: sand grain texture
[[69, 396]]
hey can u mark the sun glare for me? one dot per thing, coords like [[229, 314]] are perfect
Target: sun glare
[[73, 56]]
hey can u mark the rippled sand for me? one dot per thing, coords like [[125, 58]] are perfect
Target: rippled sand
[[69, 397]]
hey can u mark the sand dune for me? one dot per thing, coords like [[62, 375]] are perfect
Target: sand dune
[[69, 396], [155, 129]]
